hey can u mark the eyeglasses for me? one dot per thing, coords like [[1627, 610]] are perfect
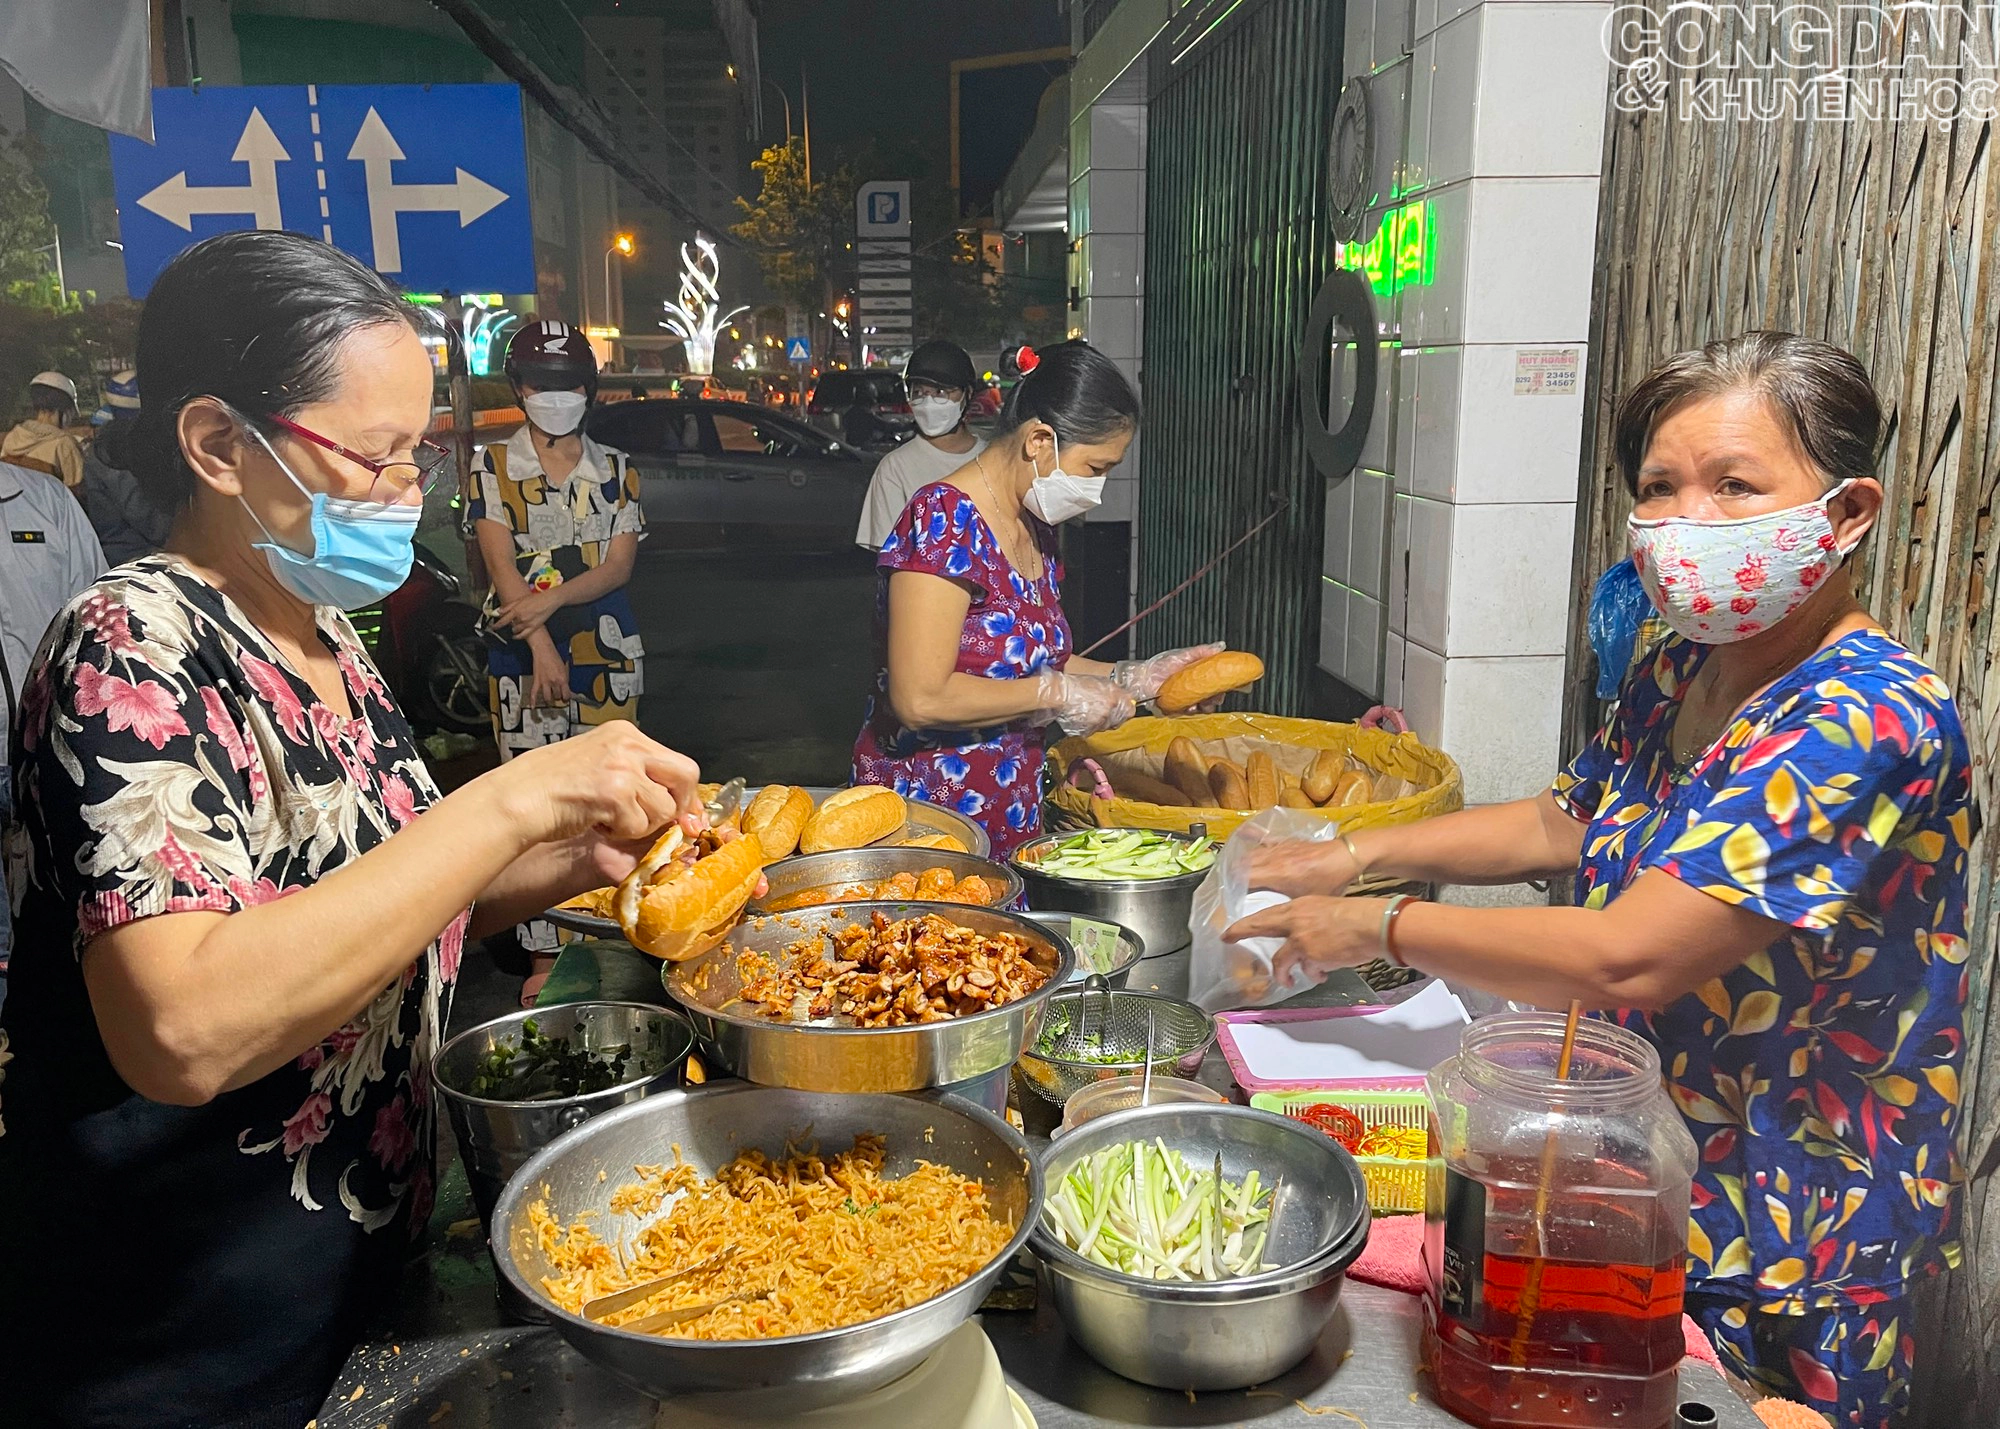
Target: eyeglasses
[[425, 470], [921, 388]]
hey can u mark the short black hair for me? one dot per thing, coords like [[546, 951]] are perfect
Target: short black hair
[[44, 398], [1078, 391], [255, 317], [1819, 391]]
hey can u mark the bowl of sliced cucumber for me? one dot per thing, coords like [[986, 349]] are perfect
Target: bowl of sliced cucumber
[[1143, 879]]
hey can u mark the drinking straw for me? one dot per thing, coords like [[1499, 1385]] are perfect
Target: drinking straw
[[1531, 1292]]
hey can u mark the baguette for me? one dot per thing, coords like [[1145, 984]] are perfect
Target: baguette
[[1296, 799], [1187, 770], [1325, 771], [951, 843], [1205, 679], [1226, 782], [1260, 776], [1131, 784], [853, 817], [777, 816], [675, 910], [1353, 787]]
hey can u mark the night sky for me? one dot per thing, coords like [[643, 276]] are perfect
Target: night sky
[[878, 68]]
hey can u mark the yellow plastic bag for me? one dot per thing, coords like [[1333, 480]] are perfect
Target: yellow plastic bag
[[1421, 782]]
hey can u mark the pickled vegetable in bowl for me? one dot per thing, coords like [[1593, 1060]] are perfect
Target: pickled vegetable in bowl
[[1107, 854]]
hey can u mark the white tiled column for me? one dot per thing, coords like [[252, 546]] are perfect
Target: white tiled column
[[1107, 226], [1499, 158]]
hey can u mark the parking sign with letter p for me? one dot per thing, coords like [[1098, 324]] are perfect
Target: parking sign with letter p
[[882, 209]]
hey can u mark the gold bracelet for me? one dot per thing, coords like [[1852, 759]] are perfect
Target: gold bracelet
[[1353, 853], [1390, 912]]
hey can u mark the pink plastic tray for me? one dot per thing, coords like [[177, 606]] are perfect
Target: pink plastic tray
[[1225, 1037]]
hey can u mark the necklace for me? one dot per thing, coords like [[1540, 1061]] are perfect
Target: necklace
[[1010, 551], [1692, 738]]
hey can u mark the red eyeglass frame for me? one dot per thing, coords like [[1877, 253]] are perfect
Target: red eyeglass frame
[[377, 469]]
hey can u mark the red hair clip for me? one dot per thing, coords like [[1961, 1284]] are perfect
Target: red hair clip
[[1027, 360]]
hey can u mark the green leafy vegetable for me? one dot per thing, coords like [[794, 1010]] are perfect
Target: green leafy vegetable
[[1125, 853], [543, 1068], [1141, 1209]]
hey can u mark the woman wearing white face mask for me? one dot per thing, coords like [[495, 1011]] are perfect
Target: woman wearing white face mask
[[242, 900], [1770, 840], [559, 525], [976, 658], [939, 379]]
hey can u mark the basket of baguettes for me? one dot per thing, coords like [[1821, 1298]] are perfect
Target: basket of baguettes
[[1219, 769]]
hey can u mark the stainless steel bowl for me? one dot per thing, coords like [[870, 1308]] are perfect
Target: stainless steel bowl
[[1130, 948], [833, 1055], [1099, 1022], [1156, 909], [1231, 1333], [578, 1175], [831, 872], [496, 1137]]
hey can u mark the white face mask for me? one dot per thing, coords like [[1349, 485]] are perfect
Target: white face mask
[[936, 415], [1059, 497], [557, 414], [1716, 582]]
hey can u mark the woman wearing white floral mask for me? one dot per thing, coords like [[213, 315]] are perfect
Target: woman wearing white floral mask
[[975, 647], [939, 381], [559, 523], [1770, 840], [242, 901]]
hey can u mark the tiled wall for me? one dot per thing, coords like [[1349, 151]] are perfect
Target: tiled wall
[[1107, 228], [1490, 115]]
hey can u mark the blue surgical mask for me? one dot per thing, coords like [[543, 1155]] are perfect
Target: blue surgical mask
[[362, 550]]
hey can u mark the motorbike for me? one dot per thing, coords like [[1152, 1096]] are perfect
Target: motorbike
[[425, 641]]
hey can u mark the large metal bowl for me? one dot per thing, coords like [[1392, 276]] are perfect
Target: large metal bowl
[[843, 868], [833, 1055], [1157, 909], [496, 1137], [578, 1175], [1225, 1334]]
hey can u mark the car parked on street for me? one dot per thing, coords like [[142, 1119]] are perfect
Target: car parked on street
[[715, 473], [868, 408]]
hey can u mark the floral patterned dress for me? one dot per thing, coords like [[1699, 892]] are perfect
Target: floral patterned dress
[[1014, 628], [1821, 1077], [224, 1255]]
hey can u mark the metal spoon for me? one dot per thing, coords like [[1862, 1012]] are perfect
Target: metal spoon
[[618, 1300], [1146, 1078]]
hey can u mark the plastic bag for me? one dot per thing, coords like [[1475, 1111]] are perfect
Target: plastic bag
[[1229, 975], [1617, 608]]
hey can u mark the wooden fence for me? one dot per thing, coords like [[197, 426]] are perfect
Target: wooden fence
[[1876, 230]]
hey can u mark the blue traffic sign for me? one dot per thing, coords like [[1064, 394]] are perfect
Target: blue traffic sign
[[797, 349], [428, 184]]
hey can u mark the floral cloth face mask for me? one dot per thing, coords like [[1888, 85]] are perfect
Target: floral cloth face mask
[[1716, 582]]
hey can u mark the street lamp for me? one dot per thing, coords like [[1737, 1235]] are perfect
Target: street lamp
[[772, 85], [623, 246]]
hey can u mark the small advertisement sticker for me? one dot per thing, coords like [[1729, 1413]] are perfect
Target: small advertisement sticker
[[1546, 371]]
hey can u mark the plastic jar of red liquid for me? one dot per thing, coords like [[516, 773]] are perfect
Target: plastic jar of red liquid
[[1555, 1229]]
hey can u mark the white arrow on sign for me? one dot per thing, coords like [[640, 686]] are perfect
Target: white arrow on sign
[[178, 201], [377, 149]]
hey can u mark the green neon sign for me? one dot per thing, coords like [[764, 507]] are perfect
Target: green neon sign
[[1402, 254]]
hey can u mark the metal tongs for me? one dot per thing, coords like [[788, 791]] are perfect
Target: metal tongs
[[617, 1300]]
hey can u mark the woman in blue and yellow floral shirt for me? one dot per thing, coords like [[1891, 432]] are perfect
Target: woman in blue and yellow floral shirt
[[1770, 836]]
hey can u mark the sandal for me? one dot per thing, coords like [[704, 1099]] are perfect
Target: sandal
[[543, 964]]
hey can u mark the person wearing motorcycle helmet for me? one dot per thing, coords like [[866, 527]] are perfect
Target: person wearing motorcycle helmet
[[941, 382], [559, 524]]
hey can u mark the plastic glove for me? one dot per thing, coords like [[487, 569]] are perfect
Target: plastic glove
[[1143, 678], [1082, 704]]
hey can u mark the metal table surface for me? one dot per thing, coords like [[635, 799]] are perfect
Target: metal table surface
[[446, 1360]]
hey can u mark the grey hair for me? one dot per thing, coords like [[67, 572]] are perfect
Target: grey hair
[[1819, 391]]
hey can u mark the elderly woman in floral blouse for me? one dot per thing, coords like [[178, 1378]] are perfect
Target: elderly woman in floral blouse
[[242, 901], [1770, 839]]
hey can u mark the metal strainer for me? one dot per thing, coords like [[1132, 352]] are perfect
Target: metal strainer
[[1102, 1031]]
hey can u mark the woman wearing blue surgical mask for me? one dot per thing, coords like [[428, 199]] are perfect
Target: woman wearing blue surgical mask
[[975, 648], [1770, 839], [241, 899], [559, 525]]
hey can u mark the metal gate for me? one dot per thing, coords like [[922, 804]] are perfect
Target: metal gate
[[1237, 243]]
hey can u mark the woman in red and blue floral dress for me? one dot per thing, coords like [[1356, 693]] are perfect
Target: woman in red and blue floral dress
[[974, 647], [242, 901], [1770, 841]]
